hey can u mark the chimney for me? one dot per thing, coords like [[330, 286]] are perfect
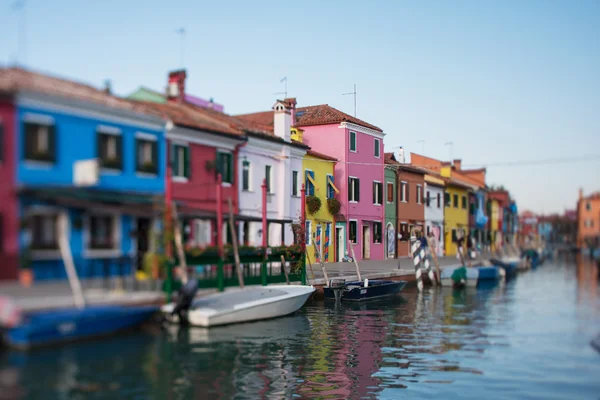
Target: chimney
[[291, 103], [282, 120], [399, 155], [176, 86], [107, 87], [458, 164], [580, 193]]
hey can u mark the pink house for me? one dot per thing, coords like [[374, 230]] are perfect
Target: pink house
[[359, 174]]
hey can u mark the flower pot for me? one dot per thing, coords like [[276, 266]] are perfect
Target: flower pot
[[26, 277]]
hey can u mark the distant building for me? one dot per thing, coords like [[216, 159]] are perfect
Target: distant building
[[588, 220]]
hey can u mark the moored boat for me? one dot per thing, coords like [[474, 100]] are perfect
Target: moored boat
[[50, 327], [471, 277], [244, 305], [510, 267], [363, 290]]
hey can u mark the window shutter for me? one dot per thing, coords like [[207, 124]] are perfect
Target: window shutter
[[357, 189], [137, 154], [380, 190], [119, 148], [350, 189], [186, 162], [407, 192], [174, 160], [100, 146], [219, 166], [53, 150], [29, 132], [155, 155], [374, 192], [312, 187]]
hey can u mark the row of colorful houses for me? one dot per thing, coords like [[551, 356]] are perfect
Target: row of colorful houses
[[107, 163]]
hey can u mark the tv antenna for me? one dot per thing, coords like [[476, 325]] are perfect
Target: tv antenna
[[19, 5], [354, 94], [283, 80], [181, 32], [451, 144]]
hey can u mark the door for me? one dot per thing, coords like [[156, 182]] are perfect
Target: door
[[366, 242], [143, 240], [339, 243], [319, 242], [391, 241]]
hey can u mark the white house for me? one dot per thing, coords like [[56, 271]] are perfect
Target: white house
[[434, 209], [270, 157]]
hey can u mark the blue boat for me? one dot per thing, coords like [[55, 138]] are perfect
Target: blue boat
[[476, 276], [44, 328], [533, 256], [363, 290], [510, 268]]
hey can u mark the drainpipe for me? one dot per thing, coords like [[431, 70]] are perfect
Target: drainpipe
[[219, 214], [264, 214], [303, 216], [236, 150], [168, 200]]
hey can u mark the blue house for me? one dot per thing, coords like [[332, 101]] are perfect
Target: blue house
[[94, 157]]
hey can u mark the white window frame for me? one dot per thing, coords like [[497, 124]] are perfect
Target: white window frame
[[180, 178], [387, 184], [43, 210], [350, 141], [309, 182], [269, 189], [88, 252], [378, 155], [378, 201], [250, 182], [419, 194], [356, 230], [308, 231], [351, 189], [403, 185], [380, 232], [327, 186], [232, 165], [199, 234]]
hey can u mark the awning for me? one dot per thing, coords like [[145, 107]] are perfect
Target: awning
[[131, 203], [259, 219], [330, 181], [312, 181], [339, 218]]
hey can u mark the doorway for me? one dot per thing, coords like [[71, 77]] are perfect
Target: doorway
[[143, 240], [339, 243], [366, 242]]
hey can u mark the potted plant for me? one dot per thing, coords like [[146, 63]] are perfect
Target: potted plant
[[313, 204], [26, 275], [210, 165], [334, 206]]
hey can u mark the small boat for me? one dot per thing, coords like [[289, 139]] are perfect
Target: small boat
[[510, 267], [244, 305], [471, 277], [363, 290], [64, 325]]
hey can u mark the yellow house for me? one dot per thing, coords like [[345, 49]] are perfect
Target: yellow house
[[494, 218], [319, 181], [456, 211]]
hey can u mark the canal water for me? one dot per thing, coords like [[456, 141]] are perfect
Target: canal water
[[527, 339]]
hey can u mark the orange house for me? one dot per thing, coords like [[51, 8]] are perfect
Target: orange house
[[588, 220]]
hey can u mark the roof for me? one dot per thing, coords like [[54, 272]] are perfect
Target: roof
[[322, 114], [320, 155], [14, 80]]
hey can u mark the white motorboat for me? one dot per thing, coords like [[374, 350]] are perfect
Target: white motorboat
[[243, 305]]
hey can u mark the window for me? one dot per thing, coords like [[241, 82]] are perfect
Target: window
[[203, 232], [225, 166], [308, 184], [295, 191], [146, 155], [403, 191], [377, 148], [377, 192], [588, 206], [308, 232], [354, 189], [464, 202], [439, 200], [455, 200], [40, 142], [472, 208], [110, 150], [180, 160], [330, 188], [419, 194], [428, 198], [404, 233], [428, 230], [43, 232], [376, 232], [246, 175], [102, 232], [268, 178], [1, 143], [454, 237], [390, 192], [353, 228], [352, 141]]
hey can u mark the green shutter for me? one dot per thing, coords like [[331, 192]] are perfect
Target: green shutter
[[230, 168], [219, 168], [186, 162], [357, 189], [380, 189], [374, 191]]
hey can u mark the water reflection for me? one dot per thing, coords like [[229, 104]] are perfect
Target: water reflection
[[528, 338]]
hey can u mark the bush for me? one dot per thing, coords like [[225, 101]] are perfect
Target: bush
[[334, 206], [313, 204]]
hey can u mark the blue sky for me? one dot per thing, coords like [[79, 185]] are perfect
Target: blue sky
[[504, 81]]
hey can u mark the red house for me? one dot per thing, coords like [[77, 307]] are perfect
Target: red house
[[9, 213], [201, 143]]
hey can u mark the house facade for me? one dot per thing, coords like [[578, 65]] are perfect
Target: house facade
[[391, 210], [410, 206], [434, 209], [588, 220], [91, 157], [456, 215], [358, 146], [9, 208]]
